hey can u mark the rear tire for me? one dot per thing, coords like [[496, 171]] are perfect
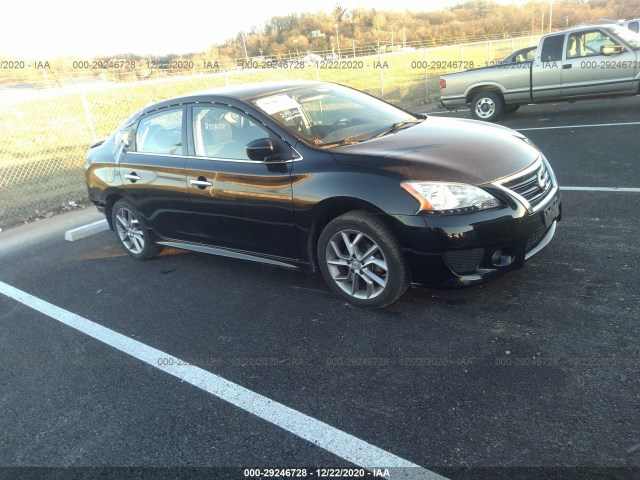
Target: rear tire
[[487, 106], [361, 260], [133, 234]]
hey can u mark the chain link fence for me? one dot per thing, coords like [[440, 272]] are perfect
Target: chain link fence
[[47, 128]]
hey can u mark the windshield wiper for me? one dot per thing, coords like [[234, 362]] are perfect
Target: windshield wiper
[[358, 139], [397, 126], [343, 142]]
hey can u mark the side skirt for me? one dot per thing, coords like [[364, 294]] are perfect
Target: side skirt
[[234, 254]]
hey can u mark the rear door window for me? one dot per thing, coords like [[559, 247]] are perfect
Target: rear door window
[[552, 49], [160, 133]]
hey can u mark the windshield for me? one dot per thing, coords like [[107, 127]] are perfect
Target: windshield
[[631, 38], [330, 115]]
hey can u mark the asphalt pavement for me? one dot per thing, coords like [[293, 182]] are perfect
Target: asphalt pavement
[[538, 368]]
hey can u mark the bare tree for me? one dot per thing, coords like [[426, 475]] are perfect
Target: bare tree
[[339, 12], [619, 7]]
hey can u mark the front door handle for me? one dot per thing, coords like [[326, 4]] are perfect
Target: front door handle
[[567, 66], [201, 183], [133, 177]]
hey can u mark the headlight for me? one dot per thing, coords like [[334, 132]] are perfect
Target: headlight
[[437, 197]]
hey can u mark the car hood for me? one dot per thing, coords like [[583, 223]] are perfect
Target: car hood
[[446, 150]]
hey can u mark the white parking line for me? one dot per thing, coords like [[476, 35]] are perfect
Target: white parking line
[[601, 189], [319, 433], [579, 126]]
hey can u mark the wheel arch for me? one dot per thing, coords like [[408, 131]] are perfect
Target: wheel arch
[[330, 209], [473, 91], [110, 201]]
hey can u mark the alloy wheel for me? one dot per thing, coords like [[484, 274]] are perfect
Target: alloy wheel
[[485, 107], [357, 264], [129, 230]]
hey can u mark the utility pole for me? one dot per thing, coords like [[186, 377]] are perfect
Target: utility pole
[[337, 40], [550, 13], [533, 21], [246, 57]]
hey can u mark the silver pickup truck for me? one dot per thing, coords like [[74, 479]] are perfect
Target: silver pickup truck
[[587, 62]]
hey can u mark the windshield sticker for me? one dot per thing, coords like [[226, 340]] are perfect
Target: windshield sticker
[[290, 114], [276, 103]]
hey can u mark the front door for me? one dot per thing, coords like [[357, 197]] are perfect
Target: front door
[[238, 203], [586, 71]]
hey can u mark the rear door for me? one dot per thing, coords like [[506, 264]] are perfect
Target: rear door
[[238, 203], [153, 175], [546, 75]]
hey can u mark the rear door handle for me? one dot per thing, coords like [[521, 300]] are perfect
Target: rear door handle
[[566, 66], [133, 177]]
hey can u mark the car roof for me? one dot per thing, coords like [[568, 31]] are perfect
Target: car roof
[[243, 92]]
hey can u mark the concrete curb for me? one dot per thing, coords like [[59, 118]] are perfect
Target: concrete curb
[[86, 230]]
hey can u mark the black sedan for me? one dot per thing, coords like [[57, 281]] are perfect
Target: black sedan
[[312, 175]]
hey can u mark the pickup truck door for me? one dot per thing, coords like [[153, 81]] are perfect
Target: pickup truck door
[[546, 73], [586, 71]]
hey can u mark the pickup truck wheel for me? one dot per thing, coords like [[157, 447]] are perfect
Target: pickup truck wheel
[[487, 106], [511, 109]]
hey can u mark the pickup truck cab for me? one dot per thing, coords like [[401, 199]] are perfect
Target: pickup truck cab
[[589, 62]]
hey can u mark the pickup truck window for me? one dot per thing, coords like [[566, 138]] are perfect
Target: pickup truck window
[[587, 43], [552, 48]]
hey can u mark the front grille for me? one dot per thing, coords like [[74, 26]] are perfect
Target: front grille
[[464, 261], [529, 185], [535, 237]]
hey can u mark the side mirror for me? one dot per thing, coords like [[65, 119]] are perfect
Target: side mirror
[[261, 149], [123, 139], [611, 49]]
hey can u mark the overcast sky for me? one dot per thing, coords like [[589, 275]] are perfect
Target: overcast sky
[[45, 29]]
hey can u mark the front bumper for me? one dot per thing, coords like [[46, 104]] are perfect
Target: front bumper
[[452, 251]]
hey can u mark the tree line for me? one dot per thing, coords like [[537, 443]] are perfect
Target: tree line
[[346, 30], [321, 31]]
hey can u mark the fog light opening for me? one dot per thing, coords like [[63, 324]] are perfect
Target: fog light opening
[[501, 258]]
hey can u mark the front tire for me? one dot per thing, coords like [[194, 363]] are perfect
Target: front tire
[[132, 232], [361, 260], [487, 106]]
